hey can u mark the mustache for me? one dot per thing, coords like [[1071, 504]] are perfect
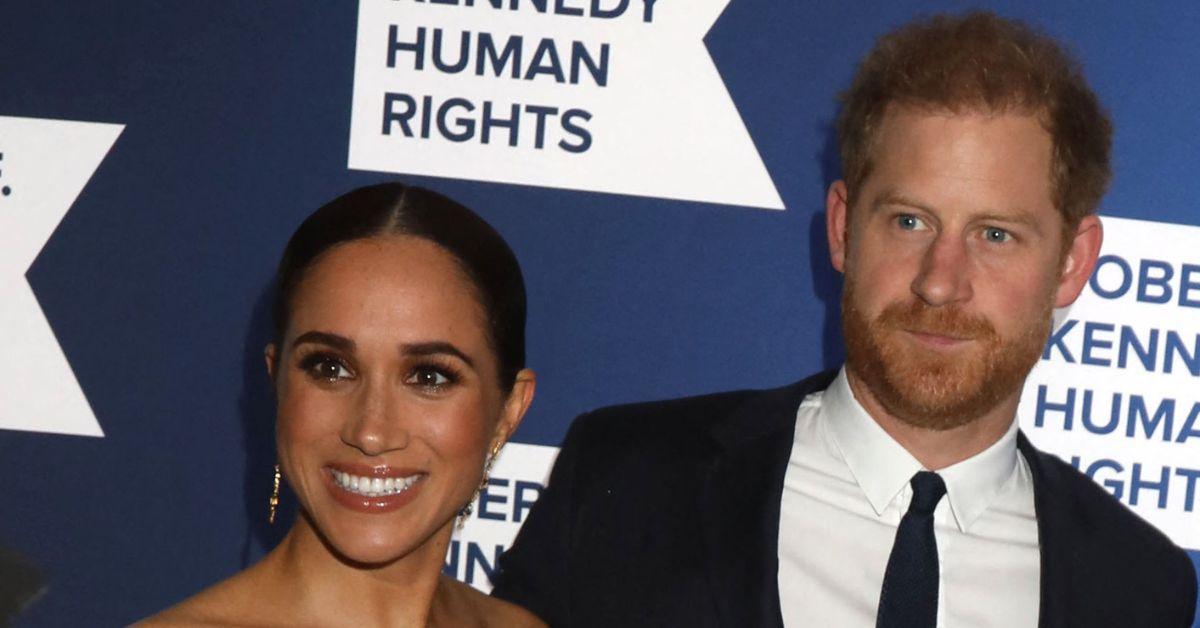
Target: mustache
[[946, 320]]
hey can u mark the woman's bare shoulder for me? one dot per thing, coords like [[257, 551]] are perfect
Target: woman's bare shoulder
[[509, 614], [489, 611], [236, 601]]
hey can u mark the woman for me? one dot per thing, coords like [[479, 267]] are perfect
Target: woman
[[399, 372]]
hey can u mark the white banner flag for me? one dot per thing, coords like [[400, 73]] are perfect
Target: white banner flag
[[1117, 392], [615, 96], [44, 165]]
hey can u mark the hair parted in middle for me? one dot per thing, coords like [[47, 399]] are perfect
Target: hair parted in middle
[[980, 62]]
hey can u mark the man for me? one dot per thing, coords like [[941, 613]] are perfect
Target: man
[[897, 491]]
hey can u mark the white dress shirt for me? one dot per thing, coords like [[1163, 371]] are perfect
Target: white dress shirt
[[844, 492]]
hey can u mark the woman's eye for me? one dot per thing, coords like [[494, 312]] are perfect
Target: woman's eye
[[326, 368], [909, 222], [428, 377], [994, 234]]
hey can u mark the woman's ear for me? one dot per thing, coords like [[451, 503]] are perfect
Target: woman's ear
[[271, 357], [515, 407]]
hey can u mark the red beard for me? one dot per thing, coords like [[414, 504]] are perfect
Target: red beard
[[931, 389]]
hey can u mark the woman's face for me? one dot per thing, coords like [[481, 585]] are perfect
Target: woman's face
[[388, 395]]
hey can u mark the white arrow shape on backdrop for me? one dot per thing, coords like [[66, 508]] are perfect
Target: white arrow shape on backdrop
[[44, 167], [665, 126]]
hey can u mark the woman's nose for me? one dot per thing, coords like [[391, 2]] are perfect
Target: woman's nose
[[375, 426]]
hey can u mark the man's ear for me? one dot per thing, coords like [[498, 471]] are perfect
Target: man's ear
[[1079, 260], [835, 223], [515, 406]]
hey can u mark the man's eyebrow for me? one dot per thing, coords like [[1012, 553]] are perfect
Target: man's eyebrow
[[894, 198], [1019, 217], [435, 348], [325, 338]]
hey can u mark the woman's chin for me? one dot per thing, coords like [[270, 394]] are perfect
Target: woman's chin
[[375, 556], [371, 546], [366, 552]]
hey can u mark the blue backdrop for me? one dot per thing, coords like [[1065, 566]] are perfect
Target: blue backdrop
[[237, 117]]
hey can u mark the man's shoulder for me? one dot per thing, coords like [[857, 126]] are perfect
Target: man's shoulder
[[669, 422], [665, 417], [1095, 509], [1098, 533]]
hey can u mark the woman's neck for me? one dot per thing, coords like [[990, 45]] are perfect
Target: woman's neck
[[329, 590]]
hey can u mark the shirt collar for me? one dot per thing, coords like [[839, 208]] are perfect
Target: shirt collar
[[974, 483], [882, 467]]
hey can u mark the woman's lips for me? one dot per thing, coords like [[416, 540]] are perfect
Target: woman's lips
[[373, 490]]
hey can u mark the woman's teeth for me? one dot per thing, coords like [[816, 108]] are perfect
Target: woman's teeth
[[373, 487]]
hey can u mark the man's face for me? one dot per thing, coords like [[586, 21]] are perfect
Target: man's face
[[952, 253]]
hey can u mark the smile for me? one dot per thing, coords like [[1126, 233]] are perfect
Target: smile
[[374, 486]]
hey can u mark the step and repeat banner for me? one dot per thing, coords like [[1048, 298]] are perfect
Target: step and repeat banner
[[659, 167]]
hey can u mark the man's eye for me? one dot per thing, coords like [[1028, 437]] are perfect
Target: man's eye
[[908, 222], [428, 377], [994, 234]]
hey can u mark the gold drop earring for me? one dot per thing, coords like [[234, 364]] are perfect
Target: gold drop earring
[[274, 501], [466, 510]]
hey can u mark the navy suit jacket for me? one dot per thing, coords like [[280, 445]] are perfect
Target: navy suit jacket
[[667, 514]]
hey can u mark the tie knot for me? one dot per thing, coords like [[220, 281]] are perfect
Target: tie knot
[[928, 489]]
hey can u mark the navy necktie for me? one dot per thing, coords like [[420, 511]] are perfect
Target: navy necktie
[[910, 584]]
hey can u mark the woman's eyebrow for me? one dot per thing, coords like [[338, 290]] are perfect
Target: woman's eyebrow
[[435, 348], [325, 338]]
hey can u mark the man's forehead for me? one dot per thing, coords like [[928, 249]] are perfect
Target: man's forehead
[[950, 141], [992, 164], [899, 110]]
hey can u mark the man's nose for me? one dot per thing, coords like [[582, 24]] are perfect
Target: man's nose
[[376, 426], [945, 273]]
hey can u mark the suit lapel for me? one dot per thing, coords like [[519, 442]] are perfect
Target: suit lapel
[[1056, 590], [739, 503]]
